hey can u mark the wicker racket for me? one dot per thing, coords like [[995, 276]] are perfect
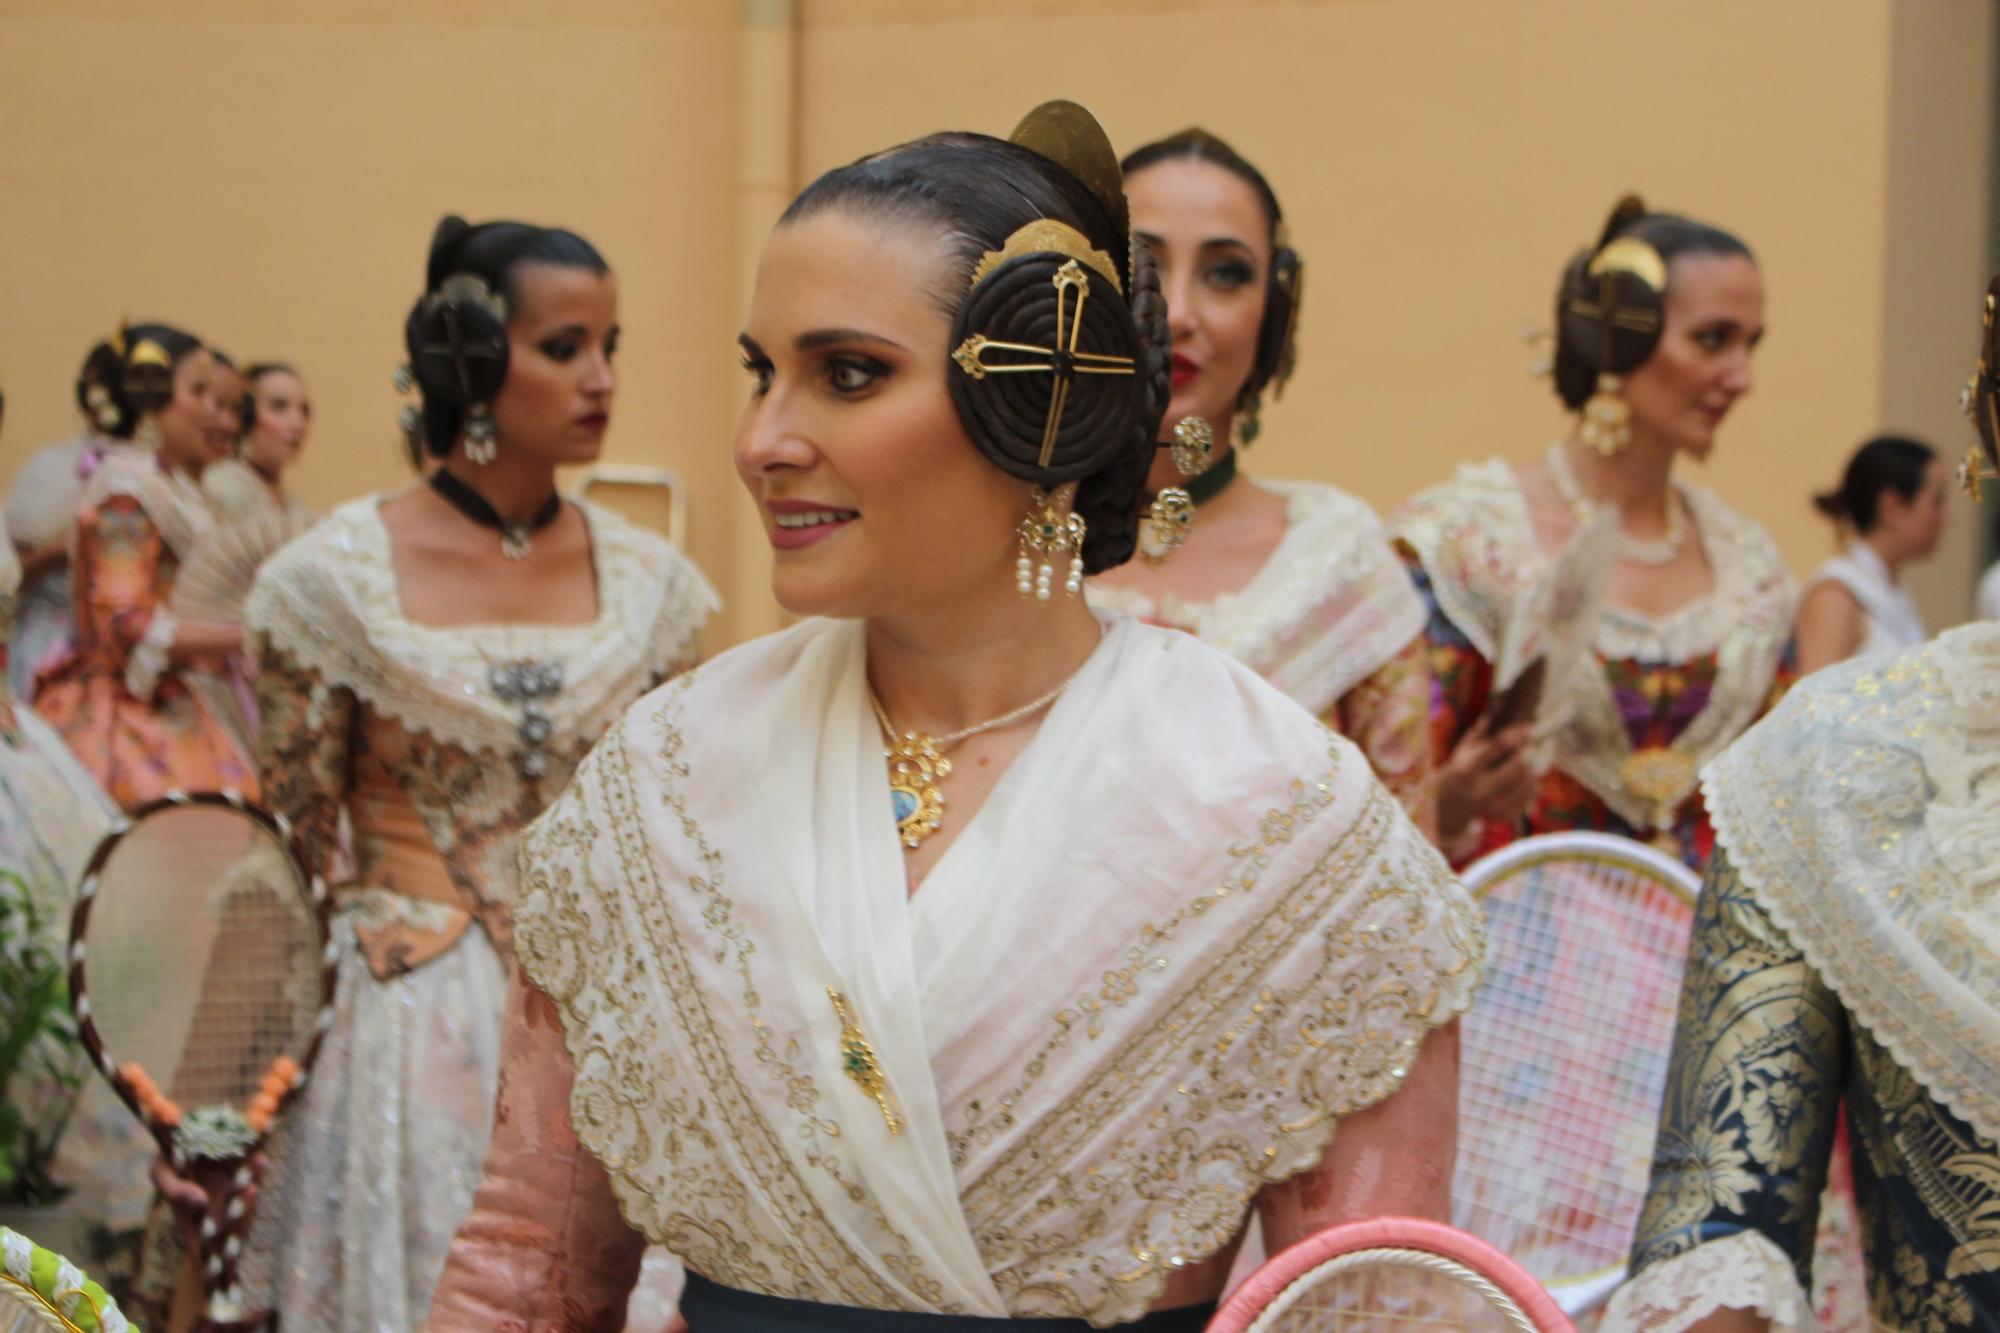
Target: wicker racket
[[203, 981], [1563, 1058], [1394, 1274]]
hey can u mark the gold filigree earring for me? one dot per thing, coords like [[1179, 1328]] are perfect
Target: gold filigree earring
[[1248, 428], [1607, 418], [1170, 517], [1974, 472], [1049, 531], [1194, 446]]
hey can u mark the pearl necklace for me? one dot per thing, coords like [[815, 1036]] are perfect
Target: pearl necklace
[[1652, 552]]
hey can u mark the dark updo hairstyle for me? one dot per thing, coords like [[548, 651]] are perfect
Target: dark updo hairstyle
[[977, 192], [95, 396], [1580, 358], [246, 412], [492, 253], [1277, 334], [132, 375], [1885, 463]]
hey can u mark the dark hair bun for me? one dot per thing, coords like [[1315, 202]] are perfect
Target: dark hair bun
[[446, 241], [1113, 501], [1007, 412]]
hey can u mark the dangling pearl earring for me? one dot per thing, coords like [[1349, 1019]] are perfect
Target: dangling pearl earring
[[1049, 530], [481, 445]]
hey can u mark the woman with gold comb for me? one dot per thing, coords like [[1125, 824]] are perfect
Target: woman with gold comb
[[959, 958]]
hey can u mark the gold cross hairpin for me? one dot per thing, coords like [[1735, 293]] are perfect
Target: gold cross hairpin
[[1063, 360], [1610, 314]]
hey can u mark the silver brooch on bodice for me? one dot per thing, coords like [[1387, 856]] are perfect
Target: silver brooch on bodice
[[529, 685]]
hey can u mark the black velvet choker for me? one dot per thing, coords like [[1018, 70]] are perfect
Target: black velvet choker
[[1206, 485], [516, 539]]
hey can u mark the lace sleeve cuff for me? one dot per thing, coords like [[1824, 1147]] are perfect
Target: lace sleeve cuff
[[1744, 1270], [148, 659]]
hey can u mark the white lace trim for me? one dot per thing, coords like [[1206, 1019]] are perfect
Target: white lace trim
[[1475, 541], [374, 908], [1330, 607], [329, 601], [1864, 816], [148, 660], [1477, 544], [1742, 1271], [172, 500]]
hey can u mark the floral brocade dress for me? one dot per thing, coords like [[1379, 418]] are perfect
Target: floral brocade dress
[[1656, 700], [440, 744], [1331, 620], [1809, 989], [122, 706]]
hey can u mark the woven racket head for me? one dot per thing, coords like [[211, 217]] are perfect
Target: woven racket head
[[202, 982], [1391, 1274], [215, 582], [1563, 1060]]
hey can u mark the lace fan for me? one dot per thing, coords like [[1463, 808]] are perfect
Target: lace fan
[[215, 581]]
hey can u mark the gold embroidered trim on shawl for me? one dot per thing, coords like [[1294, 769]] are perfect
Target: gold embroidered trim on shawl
[[606, 989], [1314, 1007], [1864, 815]]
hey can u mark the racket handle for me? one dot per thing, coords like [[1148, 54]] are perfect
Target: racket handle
[[223, 1228]]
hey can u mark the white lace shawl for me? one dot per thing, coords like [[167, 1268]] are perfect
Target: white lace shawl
[[1147, 978], [1477, 543], [42, 502], [329, 601], [1331, 607], [1864, 815]]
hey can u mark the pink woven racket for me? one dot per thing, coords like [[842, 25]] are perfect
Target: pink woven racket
[[1390, 1273], [1563, 1056]]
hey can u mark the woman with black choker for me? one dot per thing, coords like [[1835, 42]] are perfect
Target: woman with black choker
[[433, 664]]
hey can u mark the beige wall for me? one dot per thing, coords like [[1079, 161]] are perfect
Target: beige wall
[[268, 170]]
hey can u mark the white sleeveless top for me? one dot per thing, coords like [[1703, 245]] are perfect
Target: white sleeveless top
[[1893, 621]]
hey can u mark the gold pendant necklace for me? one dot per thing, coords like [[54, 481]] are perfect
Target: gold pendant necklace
[[917, 763]]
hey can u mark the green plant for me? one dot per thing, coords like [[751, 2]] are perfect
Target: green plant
[[41, 1063]]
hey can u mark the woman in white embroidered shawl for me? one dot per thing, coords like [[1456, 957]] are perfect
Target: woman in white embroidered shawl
[[1846, 955], [434, 664], [1294, 579], [1021, 1021]]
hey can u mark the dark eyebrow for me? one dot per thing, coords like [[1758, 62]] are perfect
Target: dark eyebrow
[[817, 338], [1213, 242]]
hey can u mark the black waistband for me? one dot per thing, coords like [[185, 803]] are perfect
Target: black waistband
[[710, 1307]]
